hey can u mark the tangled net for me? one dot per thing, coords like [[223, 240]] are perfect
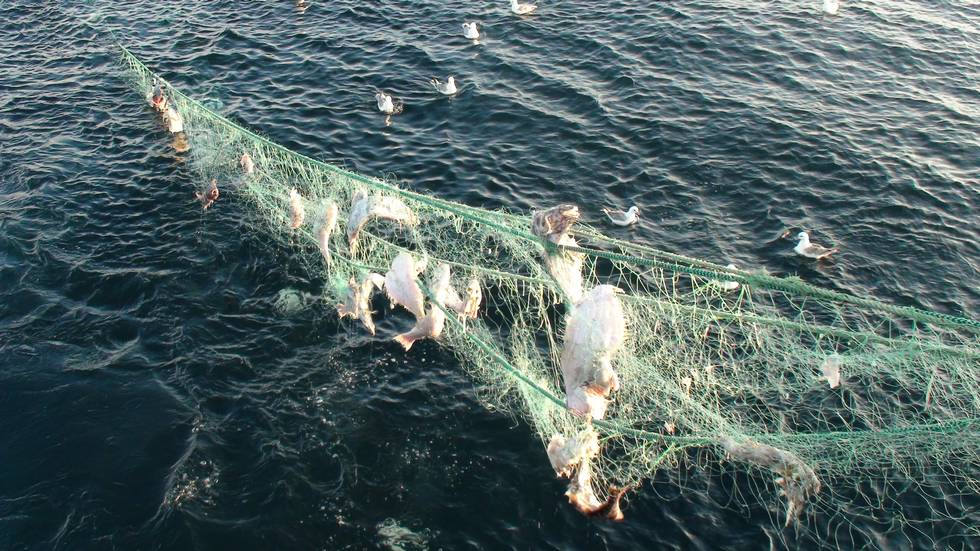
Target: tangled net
[[838, 406]]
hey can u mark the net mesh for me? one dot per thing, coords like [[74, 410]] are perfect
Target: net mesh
[[714, 380]]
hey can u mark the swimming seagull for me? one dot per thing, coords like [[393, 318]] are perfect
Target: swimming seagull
[[811, 250], [388, 105], [623, 218], [522, 9], [447, 88], [830, 7], [470, 31]]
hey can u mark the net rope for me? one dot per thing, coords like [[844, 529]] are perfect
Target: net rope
[[711, 378]]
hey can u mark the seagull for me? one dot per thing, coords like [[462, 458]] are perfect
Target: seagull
[[520, 8], [728, 285], [302, 5], [623, 218], [447, 88], [470, 31], [830, 7], [811, 250], [388, 105]]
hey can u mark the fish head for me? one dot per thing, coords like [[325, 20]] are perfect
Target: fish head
[[554, 222]]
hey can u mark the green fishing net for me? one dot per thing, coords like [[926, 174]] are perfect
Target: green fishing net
[[837, 407]]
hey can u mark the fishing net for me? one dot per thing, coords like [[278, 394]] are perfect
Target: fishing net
[[823, 407]]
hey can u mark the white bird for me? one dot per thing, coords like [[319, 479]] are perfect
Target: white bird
[[388, 105], [471, 31], [623, 218], [447, 88], [830, 7], [521, 8], [728, 285], [811, 250]]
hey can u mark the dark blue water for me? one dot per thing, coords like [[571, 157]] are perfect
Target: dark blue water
[[153, 395]]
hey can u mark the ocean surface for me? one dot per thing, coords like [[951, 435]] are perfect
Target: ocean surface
[[168, 379]]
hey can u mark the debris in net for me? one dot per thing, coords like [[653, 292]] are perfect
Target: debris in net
[[364, 207], [797, 481], [246, 163], [621, 218], [566, 454], [401, 286], [467, 308], [296, 206], [831, 370], [431, 325], [595, 332], [326, 226], [357, 303], [210, 196], [565, 266]]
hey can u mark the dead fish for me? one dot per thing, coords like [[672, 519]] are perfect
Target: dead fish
[[432, 324], [326, 227], [554, 223], [565, 266], [565, 455], [467, 308], [296, 206], [582, 496], [831, 370], [595, 332], [246, 163], [357, 303], [210, 196], [364, 207], [797, 480], [401, 286], [175, 122]]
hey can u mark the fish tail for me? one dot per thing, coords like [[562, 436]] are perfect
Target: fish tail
[[406, 340]]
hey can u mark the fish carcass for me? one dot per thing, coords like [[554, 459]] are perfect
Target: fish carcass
[[566, 454], [296, 207], [595, 332], [401, 286], [364, 207], [326, 227], [432, 324], [565, 266], [357, 303], [466, 307]]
